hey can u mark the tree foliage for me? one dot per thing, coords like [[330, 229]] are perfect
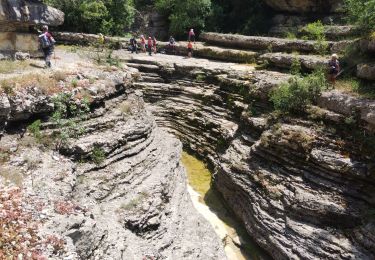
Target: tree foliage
[[362, 13], [94, 16], [185, 14]]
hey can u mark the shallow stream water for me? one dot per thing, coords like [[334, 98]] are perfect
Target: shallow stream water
[[237, 243]]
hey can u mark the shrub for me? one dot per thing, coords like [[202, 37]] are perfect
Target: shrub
[[297, 93], [97, 155], [34, 129], [295, 68], [66, 115], [315, 31]]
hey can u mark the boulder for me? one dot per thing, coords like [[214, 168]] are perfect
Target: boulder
[[367, 45], [366, 71]]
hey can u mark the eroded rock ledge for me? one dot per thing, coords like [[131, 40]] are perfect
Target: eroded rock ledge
[[132, 204], [302, 186]]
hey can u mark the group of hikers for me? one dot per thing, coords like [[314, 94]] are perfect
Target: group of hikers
[[47, 43], [150, 45]]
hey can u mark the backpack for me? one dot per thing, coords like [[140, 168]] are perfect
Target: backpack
[[44, 41]]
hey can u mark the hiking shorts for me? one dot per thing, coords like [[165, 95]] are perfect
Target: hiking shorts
[[47, 51]]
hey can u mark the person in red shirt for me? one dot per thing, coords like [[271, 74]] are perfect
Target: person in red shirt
[[47, 45], [190, 49], [149, 46]]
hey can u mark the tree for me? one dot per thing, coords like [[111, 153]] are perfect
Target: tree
[[362, 13], [185, 14], [93, 16]]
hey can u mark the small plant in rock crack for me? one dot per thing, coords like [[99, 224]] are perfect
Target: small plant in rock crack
[[34, 129], [97, 155], [67, 116]]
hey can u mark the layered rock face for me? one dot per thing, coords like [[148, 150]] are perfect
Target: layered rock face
[[132, 203], [302, 186], [16, 18], [305, 6]]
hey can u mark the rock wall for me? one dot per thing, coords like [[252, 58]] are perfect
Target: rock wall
[[306, 6], [16, 19], [132, 204], [302, 186]]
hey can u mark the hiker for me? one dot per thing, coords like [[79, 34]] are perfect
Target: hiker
[[334, 69], [191, 35], [172, 45], [133, 45], [47, 44], [149, 46], [154, 42], [190, 49], [143, 44]]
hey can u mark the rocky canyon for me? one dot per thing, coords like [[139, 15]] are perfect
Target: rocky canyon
[[90, 151]]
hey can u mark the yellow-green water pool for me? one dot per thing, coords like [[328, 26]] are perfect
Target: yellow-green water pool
[[237, 243]]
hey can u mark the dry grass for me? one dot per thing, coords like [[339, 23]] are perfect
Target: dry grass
[[356, 88], [46, 83], [8, 66]]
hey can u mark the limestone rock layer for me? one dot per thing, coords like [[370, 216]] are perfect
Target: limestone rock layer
[[305, 6]]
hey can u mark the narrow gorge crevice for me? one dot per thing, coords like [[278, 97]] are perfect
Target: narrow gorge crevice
[[300, 187]]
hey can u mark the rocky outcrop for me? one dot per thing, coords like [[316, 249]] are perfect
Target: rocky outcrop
[[366, 71], [120, 190], [16, 18], [306, 6], [286, 60], [302, 188], [266, 43]]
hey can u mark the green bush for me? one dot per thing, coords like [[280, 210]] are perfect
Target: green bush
[[295, 68], [97, 156], [315, 31], [362, 13], [34, 129], [297, 93], [66, 115]]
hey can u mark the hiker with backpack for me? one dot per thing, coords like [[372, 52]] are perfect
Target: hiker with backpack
[[47, 45], [191, 35], [133, 45], [333, 69], [149, 46], [172, 45]]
